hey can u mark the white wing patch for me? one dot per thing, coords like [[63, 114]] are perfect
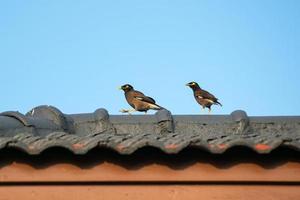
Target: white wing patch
[[209, 100], [153, 106], [139, 98]]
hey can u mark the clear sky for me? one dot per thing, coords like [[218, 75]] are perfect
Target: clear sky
[[74, 54]]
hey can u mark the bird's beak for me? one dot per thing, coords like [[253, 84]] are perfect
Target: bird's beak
[[187, 84], [119, 88]]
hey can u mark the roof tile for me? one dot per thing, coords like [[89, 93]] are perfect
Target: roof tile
[[45, 127]]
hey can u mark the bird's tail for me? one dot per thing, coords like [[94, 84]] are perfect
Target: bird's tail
[[218, 103]]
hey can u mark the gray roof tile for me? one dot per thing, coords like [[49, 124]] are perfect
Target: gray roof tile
[[45, 127]]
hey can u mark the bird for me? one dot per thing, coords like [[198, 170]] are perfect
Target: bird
[[203, 97], [138, 100]]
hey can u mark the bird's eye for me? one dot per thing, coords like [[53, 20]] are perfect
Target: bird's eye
[[193, 83]]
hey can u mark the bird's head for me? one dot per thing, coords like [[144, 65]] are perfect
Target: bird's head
[[193, 85], [126, 87]]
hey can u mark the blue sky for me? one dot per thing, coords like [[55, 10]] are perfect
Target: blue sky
[[74, 54]]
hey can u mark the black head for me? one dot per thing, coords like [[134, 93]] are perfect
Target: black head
[[193, 85], [126, 87]]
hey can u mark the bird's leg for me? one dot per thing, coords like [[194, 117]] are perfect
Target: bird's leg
[[129, 111], [202, 109], [146, 112], [209, 110]]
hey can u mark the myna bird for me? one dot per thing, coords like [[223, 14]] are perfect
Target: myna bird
[[138, 100], [204, 98]]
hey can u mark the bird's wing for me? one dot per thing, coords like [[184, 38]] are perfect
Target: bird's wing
[[146, 99], [140, 96], [203, 94]]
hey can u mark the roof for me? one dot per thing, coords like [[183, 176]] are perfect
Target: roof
[[45, 127]]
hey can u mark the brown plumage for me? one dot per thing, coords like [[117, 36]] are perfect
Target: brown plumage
[[204, 98], [138, 100]]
